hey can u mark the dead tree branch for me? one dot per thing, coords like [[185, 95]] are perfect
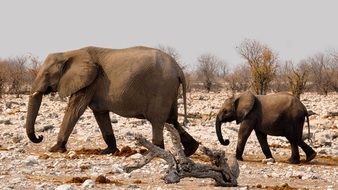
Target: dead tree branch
[[225, 172]]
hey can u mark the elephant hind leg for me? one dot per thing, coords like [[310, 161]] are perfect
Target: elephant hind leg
[[103, 120], [189, 143], [295, 158], [263, 141], [310, 153]]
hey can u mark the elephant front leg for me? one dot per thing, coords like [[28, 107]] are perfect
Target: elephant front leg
[[103, 120], [243, 135], [263, 141], [76, 106]]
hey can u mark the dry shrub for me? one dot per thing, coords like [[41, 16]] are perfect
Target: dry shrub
[[239, 79]]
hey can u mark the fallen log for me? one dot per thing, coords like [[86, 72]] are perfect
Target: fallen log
[[224, 171]]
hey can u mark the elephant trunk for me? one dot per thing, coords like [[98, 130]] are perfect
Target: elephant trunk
[[219, 133], [32, 112]]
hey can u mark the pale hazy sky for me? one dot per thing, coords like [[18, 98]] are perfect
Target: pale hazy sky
[[295, 29]]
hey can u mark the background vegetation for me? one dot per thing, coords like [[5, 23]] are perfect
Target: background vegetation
[[261, 71]]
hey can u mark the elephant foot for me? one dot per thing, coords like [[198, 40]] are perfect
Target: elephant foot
[[190, 144], [109, 150], [311, 156], [58, 148], [239, 158], [293, 161]]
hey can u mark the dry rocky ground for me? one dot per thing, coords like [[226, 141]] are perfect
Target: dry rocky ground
[[24, 165]]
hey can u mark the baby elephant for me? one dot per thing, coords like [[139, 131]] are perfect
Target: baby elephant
[[279, 114]]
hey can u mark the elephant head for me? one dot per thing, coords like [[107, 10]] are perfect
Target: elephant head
[[65, 73], [234, 109]]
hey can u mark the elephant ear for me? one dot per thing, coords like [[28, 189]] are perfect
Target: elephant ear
[[78, 72], [243, 105]]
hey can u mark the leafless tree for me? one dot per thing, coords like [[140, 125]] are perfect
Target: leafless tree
[[207, 69], [297, 77], [262, 61], [334, 70], [323, 72], [173, 53]]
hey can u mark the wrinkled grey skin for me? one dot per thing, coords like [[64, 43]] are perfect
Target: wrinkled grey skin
[[137, 82], [279, 114]]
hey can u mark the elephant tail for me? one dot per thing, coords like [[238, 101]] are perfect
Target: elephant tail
[[184, 93], [308, 127]]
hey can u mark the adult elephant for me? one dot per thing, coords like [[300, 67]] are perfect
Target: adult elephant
[[279, 114], [137, 82]]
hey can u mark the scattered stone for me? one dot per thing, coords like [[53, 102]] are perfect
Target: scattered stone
[[72, 155], [268, 161], [113, 120], [31, 160], [102, 179], [88, 184], [65, 187], [117, 169]]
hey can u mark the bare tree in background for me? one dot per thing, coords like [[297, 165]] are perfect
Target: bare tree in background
[[238, 80], [334, 70], [297, 77], [263, 64], [173, 53], [223, 69], [207, 69], [323, 72]]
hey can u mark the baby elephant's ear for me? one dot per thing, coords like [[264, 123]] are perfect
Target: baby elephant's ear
[[78, 72], [243, 105]]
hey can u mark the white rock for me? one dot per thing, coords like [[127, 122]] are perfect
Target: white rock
[[65, 187], [31, 160], [72, 154], [268, 161], [88, 184], [243, 166], [42, 187]]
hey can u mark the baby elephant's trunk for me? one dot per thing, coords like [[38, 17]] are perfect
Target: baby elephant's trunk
[[219, 133]]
